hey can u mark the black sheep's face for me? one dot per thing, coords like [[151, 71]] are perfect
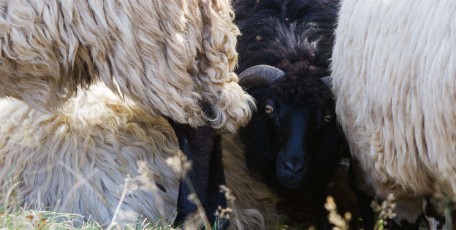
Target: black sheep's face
[[289, 145]]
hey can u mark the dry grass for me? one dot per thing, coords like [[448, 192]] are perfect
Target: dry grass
[[40, 220], [36, 219]]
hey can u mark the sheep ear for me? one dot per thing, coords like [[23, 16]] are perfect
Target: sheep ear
[[327, 80], [259, 75]]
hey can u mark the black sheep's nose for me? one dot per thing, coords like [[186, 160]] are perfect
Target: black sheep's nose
[[293, 167]]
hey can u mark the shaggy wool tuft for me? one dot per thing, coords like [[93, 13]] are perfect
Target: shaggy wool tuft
[[168, 56]]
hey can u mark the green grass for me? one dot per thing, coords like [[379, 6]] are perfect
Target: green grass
[[42, 220], [30, 219]]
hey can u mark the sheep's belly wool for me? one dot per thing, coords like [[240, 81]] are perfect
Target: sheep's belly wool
[[394, 68], [78, 160]]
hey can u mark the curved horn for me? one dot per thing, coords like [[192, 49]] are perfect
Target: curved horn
[[327, 80], [259, 75]]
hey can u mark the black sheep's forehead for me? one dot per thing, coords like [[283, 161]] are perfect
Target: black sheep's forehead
[[303, 91], [276, 30], [270, 42], [323, 11], [291, 43]]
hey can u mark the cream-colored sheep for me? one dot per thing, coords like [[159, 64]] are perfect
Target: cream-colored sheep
[[77, 159], [393, 69], [168, 56]]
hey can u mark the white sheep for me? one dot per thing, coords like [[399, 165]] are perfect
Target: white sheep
[[173, 58], [393, 69], [76, 160], [168, 56]]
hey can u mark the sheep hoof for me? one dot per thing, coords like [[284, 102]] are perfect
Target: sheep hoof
[[435, 217]]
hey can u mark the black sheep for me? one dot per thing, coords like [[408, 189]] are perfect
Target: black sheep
[[292, 142]]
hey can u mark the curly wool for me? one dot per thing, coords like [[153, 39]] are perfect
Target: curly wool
[[393, 70], [76, 161], [274, 31], [167, 56], [303, 86]]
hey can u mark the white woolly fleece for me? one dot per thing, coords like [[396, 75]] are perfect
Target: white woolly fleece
[[394, 69], [165, 55]]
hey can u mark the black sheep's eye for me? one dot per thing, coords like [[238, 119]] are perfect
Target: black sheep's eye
[[268, 109], [327, 118]]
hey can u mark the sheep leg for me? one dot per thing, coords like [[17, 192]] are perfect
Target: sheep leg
[[356, 181], [435, 218], [216, 179], [201, 148], [184, 205]]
